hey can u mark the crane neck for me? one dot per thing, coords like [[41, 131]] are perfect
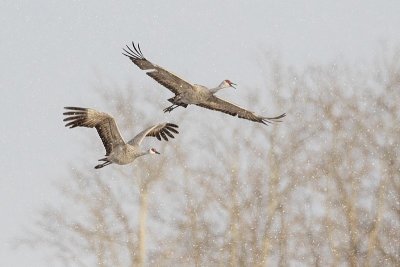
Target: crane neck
[[216, 89], [142, 153]]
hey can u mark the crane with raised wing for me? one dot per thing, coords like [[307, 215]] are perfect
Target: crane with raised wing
[[117, 150], [187, 93]]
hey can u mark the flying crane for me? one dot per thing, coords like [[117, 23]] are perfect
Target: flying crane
[[187, 93], [117, 150]]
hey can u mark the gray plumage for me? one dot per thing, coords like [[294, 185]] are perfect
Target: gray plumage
[[117, 150], [187, 93]]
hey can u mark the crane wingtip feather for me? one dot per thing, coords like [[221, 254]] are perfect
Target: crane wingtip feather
[[172, 125], [75, 108]]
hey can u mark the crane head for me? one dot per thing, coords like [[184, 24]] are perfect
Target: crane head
[[229, 83], [154, 151]]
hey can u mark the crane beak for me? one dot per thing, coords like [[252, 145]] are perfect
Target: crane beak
[[232, 85], [157, 152]]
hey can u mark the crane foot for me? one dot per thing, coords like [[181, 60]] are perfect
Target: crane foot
[[170, 108]]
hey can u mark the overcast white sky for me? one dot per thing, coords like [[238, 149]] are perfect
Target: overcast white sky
[[51, 52]]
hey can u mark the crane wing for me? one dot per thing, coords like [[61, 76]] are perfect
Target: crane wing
[[159, 131], [105, 125], [173, 82], [216, 103]]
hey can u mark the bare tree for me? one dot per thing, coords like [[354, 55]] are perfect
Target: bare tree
[[322, 188]]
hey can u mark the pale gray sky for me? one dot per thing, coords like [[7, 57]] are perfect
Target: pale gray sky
[[52, 52]]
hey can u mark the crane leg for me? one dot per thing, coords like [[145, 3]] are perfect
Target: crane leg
[[170, 108], [102, 165]]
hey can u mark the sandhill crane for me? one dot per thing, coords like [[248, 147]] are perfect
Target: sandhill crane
[[117, 150], [187, 93]]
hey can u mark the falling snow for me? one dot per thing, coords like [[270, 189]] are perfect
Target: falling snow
[[321, 188]]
